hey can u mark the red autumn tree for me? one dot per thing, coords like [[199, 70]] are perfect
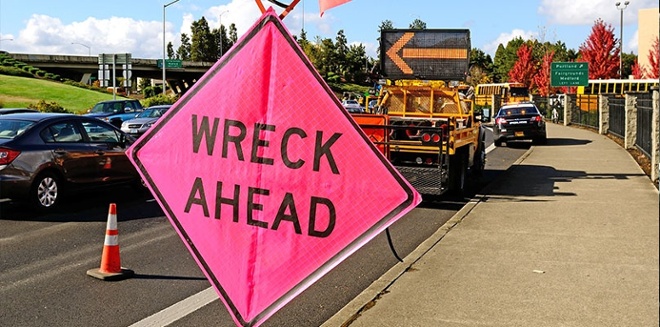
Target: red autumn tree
[[542, 77], [654, 60], [524, 69], [637, 71], [601, 52]]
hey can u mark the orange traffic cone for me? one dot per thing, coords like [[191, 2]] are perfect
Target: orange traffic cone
[[110, 262]]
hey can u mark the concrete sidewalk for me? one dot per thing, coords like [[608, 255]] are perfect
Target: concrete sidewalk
[[568, 236]]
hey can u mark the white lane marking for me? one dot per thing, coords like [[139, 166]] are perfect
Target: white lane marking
[[179, 310]]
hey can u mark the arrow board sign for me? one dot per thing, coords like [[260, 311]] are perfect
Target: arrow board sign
[[267, 179], [441, 54]]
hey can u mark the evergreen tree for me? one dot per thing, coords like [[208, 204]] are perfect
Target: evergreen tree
[[203, 46], [233, 35], [505, 58], [385, 25], [170, 50], [629, 59], [417, 24], [183, 52], [340, 55], [481, 67]]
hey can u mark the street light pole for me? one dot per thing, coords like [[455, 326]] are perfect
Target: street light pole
[[89, 49], [220, 31], [164, 49], [622, 8]]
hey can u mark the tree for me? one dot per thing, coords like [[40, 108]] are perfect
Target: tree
[[636, 71], [542, 77], [481, 67], [523, 69], [170, 50], [203, 46], [183, 52], [417, 24], [233, 34], [341, 52], [385, 25], [505, 58], [654, 60], [629, 59], [600, 51]]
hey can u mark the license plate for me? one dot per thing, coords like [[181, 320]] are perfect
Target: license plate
[[133, 131], [519, 134]]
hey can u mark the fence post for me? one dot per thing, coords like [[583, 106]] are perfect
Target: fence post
[[567, 110], [630, 133], [604, 114], [655, 137]]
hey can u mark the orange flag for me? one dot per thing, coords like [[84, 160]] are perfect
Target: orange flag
[[327, 4]]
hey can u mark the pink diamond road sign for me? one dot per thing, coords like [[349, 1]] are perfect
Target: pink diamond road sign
[[266, 178]]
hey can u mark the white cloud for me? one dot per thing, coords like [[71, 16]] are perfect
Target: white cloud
[[45, 34], [504, 38], [585, 12]]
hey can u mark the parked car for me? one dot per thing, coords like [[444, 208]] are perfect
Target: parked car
[[144, 120], [352, 106], [520, 121], [372, 105], [5, 111], [44, 156], [116, 111]]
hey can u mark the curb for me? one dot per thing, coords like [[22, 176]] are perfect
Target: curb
[[368, 298]]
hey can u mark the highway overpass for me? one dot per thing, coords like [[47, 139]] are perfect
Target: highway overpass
[[82, 68]]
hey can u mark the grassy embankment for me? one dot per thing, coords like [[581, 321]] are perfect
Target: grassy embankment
[[19, 92]]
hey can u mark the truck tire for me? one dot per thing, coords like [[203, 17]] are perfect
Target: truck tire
[[479, 162], [458, 167]]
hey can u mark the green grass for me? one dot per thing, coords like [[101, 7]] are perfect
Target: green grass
[[22, 91]]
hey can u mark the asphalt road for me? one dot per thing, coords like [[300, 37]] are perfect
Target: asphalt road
[[44, 259]]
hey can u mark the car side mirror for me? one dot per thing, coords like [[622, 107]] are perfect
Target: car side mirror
[[128, 110]]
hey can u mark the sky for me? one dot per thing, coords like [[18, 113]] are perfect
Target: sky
[[82, 27]]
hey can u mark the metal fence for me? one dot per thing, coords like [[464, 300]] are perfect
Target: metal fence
[[617, 115], [584, 110], [644, 121]]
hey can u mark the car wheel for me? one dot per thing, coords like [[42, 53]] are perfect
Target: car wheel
[[498, 143], [140, 186], [46, 193]]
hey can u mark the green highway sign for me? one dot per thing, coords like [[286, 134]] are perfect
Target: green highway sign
[[569, 74], [170, 63]]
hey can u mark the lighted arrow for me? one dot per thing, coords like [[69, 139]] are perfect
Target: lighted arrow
[[393, 53], [420, 53]]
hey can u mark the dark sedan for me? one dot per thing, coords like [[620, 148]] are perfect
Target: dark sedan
[[520, 121], [44, 156], [6, 111]]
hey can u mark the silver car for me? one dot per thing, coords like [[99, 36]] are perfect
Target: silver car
[[142, 122]]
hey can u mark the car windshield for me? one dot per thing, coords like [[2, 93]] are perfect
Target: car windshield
[[518, 111], [9, 129], [152, 113], [101, 108]]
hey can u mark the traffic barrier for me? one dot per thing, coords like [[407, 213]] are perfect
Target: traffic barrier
[[110, 261]]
